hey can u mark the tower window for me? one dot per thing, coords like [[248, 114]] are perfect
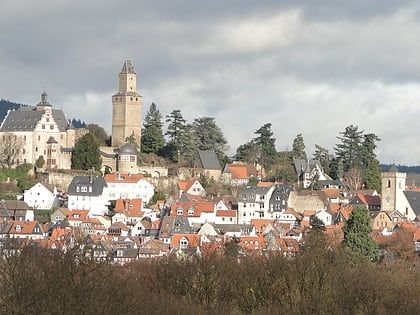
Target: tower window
[[388, 184]]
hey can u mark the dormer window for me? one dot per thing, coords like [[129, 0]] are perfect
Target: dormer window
[[179, 212], [18, 228], [191, 212]]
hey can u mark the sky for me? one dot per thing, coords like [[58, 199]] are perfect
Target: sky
[[306, 67]]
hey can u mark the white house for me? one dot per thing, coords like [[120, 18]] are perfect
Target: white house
[[129, 186], [42, 196], [254, 203], [324, 216], [192, 187], [88, 193]]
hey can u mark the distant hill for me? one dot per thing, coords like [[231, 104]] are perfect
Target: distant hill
[[401, 168], [5, 105]]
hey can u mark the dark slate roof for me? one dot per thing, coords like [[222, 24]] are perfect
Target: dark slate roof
[[249, 193], [209, 160], [60, 119], [98, 183], [281, 193], [107, 155], [393, 169], [127, 148], [51, 140], [306, 166], [27, 117], [128, 67], [413, 197], [21, 120]]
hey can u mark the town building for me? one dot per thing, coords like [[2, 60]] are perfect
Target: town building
[[40, 131]]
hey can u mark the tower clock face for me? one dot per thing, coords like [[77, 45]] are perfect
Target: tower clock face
[[388, 198]]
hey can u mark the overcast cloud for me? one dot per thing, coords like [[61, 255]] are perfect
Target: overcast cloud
[[310, 67]]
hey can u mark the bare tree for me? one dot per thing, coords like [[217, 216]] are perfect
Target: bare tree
[[10, 148], [353, 178]]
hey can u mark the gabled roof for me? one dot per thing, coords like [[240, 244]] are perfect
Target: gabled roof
[[97, 183], [241, 171], [130, 207], [209, 160], [122, 178], [413, 197], [75, 215], [198, 207], [193, 240], [15, 205], [24, 227], [306, 166], [185, 185]]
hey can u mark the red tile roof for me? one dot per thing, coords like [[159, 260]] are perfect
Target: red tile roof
[[130, 207], [185, 185], [122, 178]]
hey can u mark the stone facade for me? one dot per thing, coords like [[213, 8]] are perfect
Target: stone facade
[[40, 131], [126, 107]]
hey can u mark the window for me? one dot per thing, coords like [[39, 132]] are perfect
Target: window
[[388, 184], [43, 127], [84, 189], [191, 212], [39, 138], [179, 212], [52, 127], [183, 243]]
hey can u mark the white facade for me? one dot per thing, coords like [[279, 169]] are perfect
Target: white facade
[[324, 216], [120, 186], [41, 197], [97, 205], [256, 205]]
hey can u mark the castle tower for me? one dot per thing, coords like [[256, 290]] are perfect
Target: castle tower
[[44, 105], [126, 107], [393, 186]]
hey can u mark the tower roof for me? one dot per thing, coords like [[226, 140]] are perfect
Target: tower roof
[[393, 169], [128, 67], [44, 100]]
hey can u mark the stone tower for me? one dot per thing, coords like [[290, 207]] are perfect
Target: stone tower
[[393, 186], [126, 107]]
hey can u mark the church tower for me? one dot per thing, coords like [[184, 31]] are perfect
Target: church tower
[[126, 107], [393, 186]]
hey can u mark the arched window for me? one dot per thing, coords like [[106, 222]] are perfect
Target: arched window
[[388, 183]]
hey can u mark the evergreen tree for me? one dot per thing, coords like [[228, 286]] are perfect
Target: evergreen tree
[[152, 139], [370, 164], [247, 152], [356, 234], [298, 147], [317, 224], [209, 135], [324, 157], [86, 154], [99, 133], [188, 144], [174, 131], [349, 150], [266, 145]]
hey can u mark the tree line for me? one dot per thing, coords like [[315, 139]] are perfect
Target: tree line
[[319, 280], [353, 160]]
